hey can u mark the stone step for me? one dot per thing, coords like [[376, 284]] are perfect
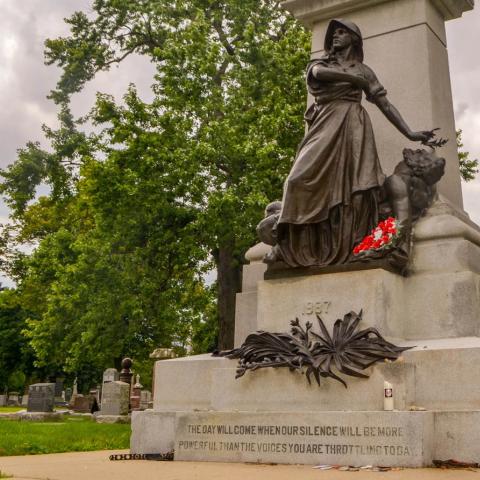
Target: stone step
[[436, 375], [399, 439]]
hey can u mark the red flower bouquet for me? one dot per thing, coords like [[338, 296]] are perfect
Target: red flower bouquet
[[383, 236]]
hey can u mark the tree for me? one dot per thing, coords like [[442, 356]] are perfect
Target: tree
[[468, 167], [161, 192], [16, 358]]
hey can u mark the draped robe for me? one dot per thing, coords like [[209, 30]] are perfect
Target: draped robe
[[331, 196]]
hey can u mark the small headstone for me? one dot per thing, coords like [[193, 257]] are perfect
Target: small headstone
[[115, 398], [41, 397], [24, 402], [58, 388], [3, 400], [95, 392], [136, 391], [13, 399], [145, 399], [68, 394], [110, 375], [135, 402], [83, 404]]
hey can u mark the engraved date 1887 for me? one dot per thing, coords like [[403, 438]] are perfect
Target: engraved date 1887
[[317, 308]]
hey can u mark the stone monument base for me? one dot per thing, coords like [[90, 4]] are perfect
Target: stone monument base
[[112, 418], [274, 415], [41, 416]]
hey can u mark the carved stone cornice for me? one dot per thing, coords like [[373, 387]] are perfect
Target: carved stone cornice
[[310, 11]]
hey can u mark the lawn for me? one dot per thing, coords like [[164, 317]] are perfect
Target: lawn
[[72, 434], [10, 410]]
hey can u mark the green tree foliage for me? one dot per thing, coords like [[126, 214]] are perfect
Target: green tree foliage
[[16, 358], [468, 167], [161, 192]]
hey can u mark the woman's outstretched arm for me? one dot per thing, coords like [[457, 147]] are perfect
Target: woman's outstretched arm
[[393, 115]]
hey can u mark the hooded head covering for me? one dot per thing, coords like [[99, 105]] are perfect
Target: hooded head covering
[[352, 28]]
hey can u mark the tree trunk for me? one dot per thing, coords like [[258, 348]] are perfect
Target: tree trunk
[[229, 283]]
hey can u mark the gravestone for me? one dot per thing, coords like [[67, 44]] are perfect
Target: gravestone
[[110, 375], [41, 397], [83, 404], [58, 388], [3, 400], [145, 399], [13, 399], [115, 398], [95, 392], [68, 394], [24, 402], [136, 392]]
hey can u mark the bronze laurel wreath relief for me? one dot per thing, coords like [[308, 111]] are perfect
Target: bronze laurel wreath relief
[[347, 350]]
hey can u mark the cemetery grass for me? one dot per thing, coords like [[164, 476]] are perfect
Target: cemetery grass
[[10, 410], [73, 434]]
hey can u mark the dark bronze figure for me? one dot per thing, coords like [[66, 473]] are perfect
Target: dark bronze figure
[[333, 195], [347, 351]]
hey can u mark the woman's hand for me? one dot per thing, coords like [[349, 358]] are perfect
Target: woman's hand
[[424, 136]]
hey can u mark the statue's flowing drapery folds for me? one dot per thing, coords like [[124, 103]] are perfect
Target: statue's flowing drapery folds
[[331, 195]]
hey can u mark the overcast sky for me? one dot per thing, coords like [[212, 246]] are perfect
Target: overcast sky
[[25, 80]]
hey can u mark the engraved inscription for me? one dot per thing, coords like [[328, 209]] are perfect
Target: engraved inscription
[[342, 440], [317, 308]]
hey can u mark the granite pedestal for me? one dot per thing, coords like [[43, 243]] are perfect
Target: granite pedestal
[[198, 401]]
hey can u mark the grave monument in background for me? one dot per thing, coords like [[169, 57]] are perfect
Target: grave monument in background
[[41, 397], [429, 306]]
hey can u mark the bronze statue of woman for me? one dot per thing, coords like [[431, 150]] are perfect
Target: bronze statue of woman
[[331, 196]]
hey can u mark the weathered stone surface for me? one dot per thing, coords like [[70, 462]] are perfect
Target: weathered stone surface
[[115, 398], [41, 397], [446, 377], [3, 400], [347, 438], [442, 305], [82, 404], [245, 315], [251, 274], [13, 399], [112, 418], [152, 432], [110, 375], [145, 399], [457, 435], [377, 292], [185, 383], [281, 390], [41, 416], [436, 374]]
